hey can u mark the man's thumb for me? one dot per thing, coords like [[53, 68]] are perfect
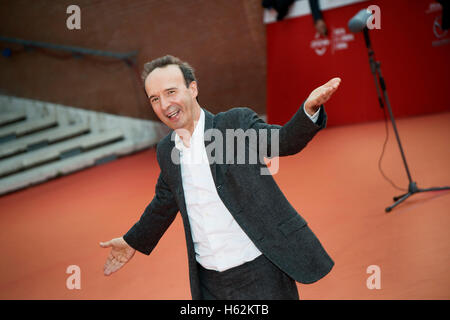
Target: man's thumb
[[106, 244]]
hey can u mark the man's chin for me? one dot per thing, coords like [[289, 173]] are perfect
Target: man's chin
[[175, 126]]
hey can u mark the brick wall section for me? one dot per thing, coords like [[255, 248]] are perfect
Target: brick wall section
[[224, 40]]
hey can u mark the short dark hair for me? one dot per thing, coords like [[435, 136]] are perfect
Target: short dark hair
[[161, 62]]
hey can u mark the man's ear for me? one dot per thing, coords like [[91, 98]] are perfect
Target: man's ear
[[193, 88]]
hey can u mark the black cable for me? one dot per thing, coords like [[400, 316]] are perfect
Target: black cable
[[382, 154]]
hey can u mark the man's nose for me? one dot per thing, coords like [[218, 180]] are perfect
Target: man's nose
[[165, 103]]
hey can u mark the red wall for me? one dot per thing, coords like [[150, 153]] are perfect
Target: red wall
[[414, 62]]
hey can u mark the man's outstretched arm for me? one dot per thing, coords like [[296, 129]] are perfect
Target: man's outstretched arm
[[146, 233], [300, 129], [155, 220]]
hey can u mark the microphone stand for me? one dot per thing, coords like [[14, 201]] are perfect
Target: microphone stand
[[376, 71]]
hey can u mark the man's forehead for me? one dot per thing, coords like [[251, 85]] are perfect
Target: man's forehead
[[170, 74]]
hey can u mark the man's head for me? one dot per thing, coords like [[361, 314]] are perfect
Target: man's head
[[172, 90]]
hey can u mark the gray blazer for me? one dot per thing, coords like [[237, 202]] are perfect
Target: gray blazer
[[255, 201]]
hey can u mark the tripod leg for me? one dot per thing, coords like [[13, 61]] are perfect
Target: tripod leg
[[403, 198], [433, 189], [399, 197], [406, 195]]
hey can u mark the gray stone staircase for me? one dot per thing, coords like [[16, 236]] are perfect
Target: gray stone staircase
[[41, 140]]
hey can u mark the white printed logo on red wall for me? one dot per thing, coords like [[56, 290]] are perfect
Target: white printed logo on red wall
[[339, 41]]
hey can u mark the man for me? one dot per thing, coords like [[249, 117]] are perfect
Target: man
[[282, 8], [244, 239]]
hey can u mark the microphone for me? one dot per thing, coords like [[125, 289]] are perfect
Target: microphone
[[359, 21]]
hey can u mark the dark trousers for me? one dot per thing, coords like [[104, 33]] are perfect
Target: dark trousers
[[259, 279]]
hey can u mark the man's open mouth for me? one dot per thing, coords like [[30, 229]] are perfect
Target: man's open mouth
[[173, 114]]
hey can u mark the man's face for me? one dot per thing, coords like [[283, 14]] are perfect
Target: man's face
[[171, 100]]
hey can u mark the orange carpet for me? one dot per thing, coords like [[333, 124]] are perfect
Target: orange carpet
[[334, 183]]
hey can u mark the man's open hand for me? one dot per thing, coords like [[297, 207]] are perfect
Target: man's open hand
[[321, 95], [120, 254]]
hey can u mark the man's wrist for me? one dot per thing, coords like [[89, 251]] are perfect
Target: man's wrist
[[311, 110], [314, 117]]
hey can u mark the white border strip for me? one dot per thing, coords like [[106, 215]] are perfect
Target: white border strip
[[301, 8]]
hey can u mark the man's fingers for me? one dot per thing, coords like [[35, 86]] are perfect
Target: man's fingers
[[108, 262], [113, 263], [335, 80], [323, 93], [108, 269], [333, 83], [326, 94], [117, 265], [110, 258], [331, 86], [109, 266], [112, 267]]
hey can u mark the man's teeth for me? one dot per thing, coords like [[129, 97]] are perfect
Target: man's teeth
[[173, 114]]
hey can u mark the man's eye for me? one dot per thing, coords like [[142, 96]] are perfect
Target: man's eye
[[154, 100], [171, 91]]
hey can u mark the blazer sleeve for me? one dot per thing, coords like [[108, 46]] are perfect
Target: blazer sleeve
[[292, 137], [156, 219]]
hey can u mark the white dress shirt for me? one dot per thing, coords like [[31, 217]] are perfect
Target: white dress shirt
[[219, 242]]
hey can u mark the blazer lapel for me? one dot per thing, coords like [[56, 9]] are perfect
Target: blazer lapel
[[209, 124]]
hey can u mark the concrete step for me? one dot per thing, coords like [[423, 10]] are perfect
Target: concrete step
[[11, 117], [58, 151], [22, 128], [62, 167], [41, 139], [33, 151]]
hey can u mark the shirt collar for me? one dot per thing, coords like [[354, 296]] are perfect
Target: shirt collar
[[197, 135]]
